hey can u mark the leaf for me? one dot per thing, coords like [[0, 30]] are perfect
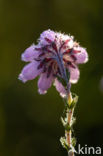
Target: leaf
[[73, 142], [64, 143]]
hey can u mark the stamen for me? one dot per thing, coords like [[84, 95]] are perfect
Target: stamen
[[38, 49], [49, 51], [54, 67], [70, 64], [46, 49], [54, 47], [37, 59], [48, 40], [49, 70], [58, 71], [42, 54], [64, 43], [76, 51], [68, 51], [45, 69], [45, 60], [74, 58], [40, 65]]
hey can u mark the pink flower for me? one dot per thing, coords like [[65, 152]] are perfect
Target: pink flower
[[54, 53]]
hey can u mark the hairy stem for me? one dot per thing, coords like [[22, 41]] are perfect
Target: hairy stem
[[69, 133], [69, 142], [71, 153], [69, 120]]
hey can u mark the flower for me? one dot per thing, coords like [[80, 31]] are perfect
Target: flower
[[51, 57]]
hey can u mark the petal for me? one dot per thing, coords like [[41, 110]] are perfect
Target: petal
[[82, 56], [48, 34], [60, 88], [30, 53], [74, 74], [44, 83], [30, 71]]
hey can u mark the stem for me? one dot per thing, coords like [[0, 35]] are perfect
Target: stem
[[69, 120], [71, 153], [69, 142], [69, 133]]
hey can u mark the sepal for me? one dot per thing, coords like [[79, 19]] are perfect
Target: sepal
[[74, 101]]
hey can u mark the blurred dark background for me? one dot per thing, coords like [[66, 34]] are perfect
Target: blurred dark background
[[30, 123]]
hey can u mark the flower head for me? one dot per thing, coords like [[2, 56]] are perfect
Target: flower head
[[51, 57]]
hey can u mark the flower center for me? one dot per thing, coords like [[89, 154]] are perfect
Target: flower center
[[55, 56]]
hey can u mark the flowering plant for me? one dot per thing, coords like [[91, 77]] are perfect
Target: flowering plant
[[55, 58]]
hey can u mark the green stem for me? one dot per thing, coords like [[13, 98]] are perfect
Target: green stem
[[68, 141], [69, 133]]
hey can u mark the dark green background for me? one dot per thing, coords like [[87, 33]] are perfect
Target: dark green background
[[30, 123]]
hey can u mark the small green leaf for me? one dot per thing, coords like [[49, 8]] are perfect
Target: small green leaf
[[73, 121], [73, 142], [65, 124], [63, 121], [64, 143]]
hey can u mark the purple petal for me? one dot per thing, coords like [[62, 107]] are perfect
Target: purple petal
[[74, 74], [30, 53], [44, 83], [81, 57], [30, 71], [46, 37], [60, 88]]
